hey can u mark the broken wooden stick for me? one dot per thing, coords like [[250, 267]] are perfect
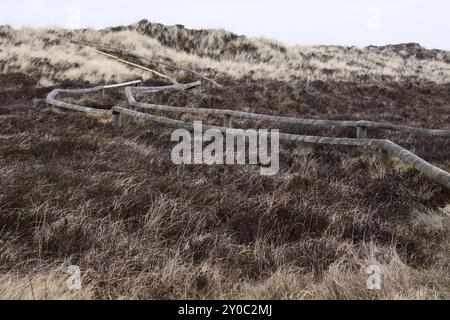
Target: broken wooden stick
[[126, 52], [124, 84], [136, 65]]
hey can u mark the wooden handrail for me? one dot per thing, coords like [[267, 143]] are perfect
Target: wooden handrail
[[287, 120], [388, 147], [407, 157], [51, 97]]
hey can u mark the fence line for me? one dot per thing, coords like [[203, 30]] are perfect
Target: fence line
[[51, 97], [241, 114], [388, 147]]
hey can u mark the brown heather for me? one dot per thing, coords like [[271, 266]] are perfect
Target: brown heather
[[75, 191]]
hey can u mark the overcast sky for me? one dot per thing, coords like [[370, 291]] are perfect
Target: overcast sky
[[345, 22]]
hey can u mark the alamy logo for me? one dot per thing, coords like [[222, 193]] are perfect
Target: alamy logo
[[74, 280], [374, 18], [374, 280], [73, 19], [227, 147]]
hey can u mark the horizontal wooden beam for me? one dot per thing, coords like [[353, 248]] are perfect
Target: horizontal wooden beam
[[407, 157], [388, 147], [125, 84], [51, 100], [262, 117], [51, 97]]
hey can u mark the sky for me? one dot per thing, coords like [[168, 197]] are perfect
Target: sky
[[344, 22]]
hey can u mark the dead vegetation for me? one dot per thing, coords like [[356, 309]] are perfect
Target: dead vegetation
[[45, 54], [75, 191]]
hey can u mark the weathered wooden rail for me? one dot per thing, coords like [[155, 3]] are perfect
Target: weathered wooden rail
[[361, 126], [51, 97], [387, 147]]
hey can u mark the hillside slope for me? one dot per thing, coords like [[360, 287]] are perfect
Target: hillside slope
[[46, 54], [75, 191]]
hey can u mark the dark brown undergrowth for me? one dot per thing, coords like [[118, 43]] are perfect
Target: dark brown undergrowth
[[74, 191]]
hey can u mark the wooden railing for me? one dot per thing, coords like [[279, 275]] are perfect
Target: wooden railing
[[387, 147], [51, 97], [361, 125]]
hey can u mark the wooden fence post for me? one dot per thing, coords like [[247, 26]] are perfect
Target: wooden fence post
[[117, 120], [361, 133], [386, 159], [227, 121]]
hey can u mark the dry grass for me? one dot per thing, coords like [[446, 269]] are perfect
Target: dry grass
[[75, 191], [45, 54], [38, 54], [141, 228], [47, 284]]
